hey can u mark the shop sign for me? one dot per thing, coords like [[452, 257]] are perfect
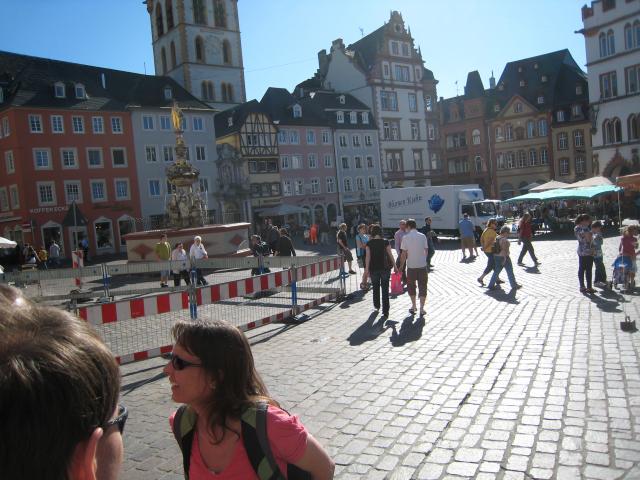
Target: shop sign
[[48, 209]]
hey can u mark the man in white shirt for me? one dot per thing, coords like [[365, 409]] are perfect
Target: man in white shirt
[[414, 255], [198, 252]]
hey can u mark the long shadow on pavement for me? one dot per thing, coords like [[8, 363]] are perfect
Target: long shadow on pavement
[[353, 299], [608, 301], [502, 296], [369, 330], [410, 331]]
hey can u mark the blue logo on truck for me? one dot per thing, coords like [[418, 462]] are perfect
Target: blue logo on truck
[[436, 203]]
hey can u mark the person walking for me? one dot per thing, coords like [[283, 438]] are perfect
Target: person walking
[[198, 252], [84, 245], [313, 233], [343, 246], [285, 245], [414, 255], [467, 236], [503, 260], [179, 258], [163, 254], [379, 261], [54, 254], [324, 233], [487, 240], [273, 235], [600, 277], [525, 234], [397, 244], [212, 373], [428, 232], [584, 236], [361, 244]]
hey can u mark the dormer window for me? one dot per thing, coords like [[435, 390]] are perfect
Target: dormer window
[[365, 118], [560, 115], [519, 69], [535, 66], [578, 89], [543, 79], [397, 27], [168, 93], [522, 83], [353, 117], [540, 100], [517, 108], [340, 117], [230, 122], [297, 111], [59, 90], [341, 99], [496, 107], [501, 87], [80, 91]]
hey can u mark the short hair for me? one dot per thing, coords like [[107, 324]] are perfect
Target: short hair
[[582, 217], [283, 231], [505, 229], [376, 230], [596, 224], [465, 215], [177, 245], [343, 225], [403, 221], [163, 235], [58, 383], [197, 237], [361, 226], [427, 218], [411, 223], [256, 237]]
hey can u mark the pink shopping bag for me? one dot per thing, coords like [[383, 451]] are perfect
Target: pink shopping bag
[[396, 283]]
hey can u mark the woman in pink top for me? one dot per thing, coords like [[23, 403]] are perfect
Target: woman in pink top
[[212, 371], [627, 248]]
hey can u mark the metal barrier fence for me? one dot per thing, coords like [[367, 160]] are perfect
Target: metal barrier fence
[[139, 328]]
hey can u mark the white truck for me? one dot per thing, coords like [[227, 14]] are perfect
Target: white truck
[[445, 204]]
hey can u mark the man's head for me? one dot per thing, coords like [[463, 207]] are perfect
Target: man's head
[[465, 216], [163, 237], [427, 220], [402, 224], [411, 224], [59, 388]]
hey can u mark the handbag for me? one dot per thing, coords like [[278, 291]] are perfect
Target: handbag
[[396, 283]]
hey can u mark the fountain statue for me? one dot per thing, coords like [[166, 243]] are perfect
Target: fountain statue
[[185, 206]]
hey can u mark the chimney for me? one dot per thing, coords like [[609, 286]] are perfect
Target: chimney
[[492, 81], [322, 60], [337, 44]]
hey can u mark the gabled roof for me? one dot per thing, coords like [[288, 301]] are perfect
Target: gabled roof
[[474, 87], [238, 115], [279, 103], [30, 83], [329, 103], [367, 47]]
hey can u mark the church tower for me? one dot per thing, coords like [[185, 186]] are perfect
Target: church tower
[[197, 43]]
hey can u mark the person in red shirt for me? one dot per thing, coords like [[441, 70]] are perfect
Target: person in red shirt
[[525, 234], [628, 246]]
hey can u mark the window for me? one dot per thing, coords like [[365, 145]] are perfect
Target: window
[[227, 92], [167, 153], [325, 137], [576, 111], [632, 76], [296, 162], [207, 90], [563, 141], [226, 55], [78, 124], [508, 132], [282, 137], [14, 197], [564, 166], [315, 186], [580, 165], [340, 117], [542, 127], [372, 183], [68, 156], [478, 163], [42, 159], [578, 138], [415, 129], [98, 191], [540, 99], [97, 124], [59, 90], [150, 153], [80, 91], [297, 111], [531, 129], [355, 140], [346, 182], [199, 12], [46, 193], [163, 60], [611, 43], [521, 159], [510, 160], [119, 157], [116, 125], [4, 199], [313, 160], [533, 158], [544, 156], [475, 137], [298, 187], [418, 164], [198, 124], [612, 131], [360, 184], [458, 165], [154, 188], [395, 162], [560, 115], [311, 137], [402, 73], [345, 162], [219, 14], [122, 188], [6, 127], [35, 123], [456, 140], [391, 130], [368, 141], [394, 48], [284, 162], [389, 101], [72, 192], [294, 137], [499, 134], [578, 89], [385, 70], [331, 185], [147, 122], [287, 189], [413, 102], [328, 161], [365, 118], [517, 107], [9, 162], [94, 157], [343, 140], [608, 85], [165, 122], [57, 124], [633, 124], [201, 153], [357, 160], [405, 49]]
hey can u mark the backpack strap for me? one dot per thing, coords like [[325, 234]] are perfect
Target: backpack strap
[[256, 442], [184, 422]]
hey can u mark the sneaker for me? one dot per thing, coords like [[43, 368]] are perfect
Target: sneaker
[[352, 272], [583, 289], [590, 290], [521, 264], [422, 313], [499, 281], [481, 281], [517, 287], [412, 311]]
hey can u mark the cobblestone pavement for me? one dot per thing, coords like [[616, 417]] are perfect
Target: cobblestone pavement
[[542, 384]]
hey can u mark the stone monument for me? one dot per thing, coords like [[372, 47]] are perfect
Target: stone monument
[[185, 206]]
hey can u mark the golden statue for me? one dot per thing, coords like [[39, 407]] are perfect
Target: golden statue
[[176, 117]]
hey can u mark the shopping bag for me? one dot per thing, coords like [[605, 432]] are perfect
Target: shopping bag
[[396, 283]]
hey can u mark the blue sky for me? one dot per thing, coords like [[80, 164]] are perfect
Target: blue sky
[[281, 38]]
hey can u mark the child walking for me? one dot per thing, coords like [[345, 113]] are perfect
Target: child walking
[[600, 277]]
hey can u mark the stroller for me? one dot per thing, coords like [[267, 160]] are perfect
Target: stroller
[[621, 278]]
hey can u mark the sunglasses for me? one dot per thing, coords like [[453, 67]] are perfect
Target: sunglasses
[[180, 363], [120, 419]]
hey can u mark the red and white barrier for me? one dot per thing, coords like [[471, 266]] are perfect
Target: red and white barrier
[[77, 261]]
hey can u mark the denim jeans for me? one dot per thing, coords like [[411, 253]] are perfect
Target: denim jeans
[[502, 262], [491, 263], [380, 280]]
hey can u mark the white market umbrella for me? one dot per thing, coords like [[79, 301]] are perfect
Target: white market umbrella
[[591, 182], [552, 185], [6, 243]]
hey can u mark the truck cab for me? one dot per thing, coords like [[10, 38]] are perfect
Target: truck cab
[[472, 203]]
